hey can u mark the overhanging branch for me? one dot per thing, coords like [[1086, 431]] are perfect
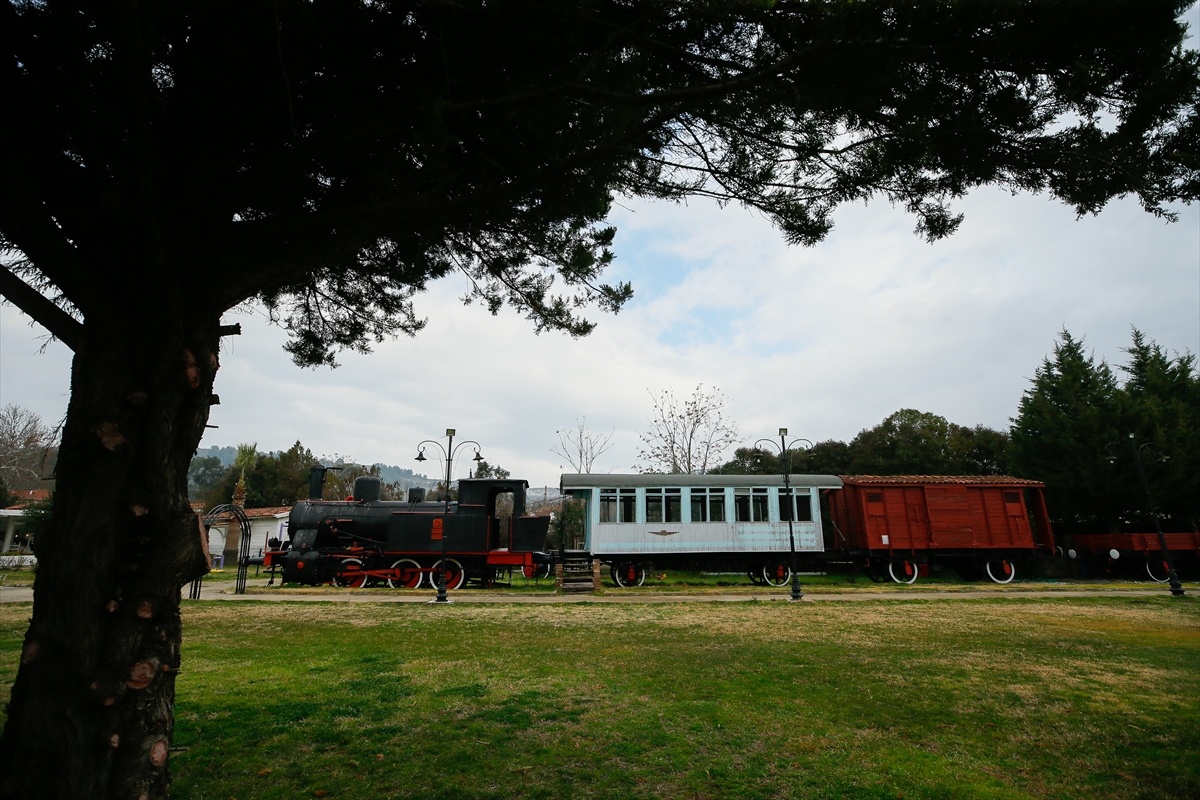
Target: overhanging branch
[[61, 325]]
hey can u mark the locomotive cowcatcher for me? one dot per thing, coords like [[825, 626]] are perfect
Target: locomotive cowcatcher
[[364, 540]]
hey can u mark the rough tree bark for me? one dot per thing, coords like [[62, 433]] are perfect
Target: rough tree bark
[[91, 711]]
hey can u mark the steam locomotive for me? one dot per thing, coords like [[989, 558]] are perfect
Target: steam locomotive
[[363, 540]]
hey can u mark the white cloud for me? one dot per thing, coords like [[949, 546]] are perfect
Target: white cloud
[[825, 340]]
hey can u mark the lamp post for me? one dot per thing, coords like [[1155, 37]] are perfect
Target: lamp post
[[1172, 576], [785, 451], [448, 452]]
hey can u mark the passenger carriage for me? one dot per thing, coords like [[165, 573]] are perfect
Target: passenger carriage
[[710, 522]]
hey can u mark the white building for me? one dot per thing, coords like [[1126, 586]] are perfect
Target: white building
[[265, 524]]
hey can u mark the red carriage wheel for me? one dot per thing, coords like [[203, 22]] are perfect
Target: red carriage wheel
[[1156, 568], [1000, 570], [628, 574], [903, 570], [777, 574]]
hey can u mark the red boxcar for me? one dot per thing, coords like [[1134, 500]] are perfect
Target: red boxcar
[[1132, 553], [975, 523]]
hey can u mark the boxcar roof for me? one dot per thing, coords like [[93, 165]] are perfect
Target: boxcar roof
[[975, 480], [574, 481]]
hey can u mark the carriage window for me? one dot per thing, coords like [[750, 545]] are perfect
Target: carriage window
[[628, 501], [741, 505], [716, 505], [608, 505], [1012, 497], [759, 504], [654, 505], [801, 503], [674, 505], [708, 505]]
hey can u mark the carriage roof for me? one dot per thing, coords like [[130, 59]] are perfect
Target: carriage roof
[[590, 481]]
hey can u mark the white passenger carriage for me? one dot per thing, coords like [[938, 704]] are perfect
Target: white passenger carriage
[[723, 522]]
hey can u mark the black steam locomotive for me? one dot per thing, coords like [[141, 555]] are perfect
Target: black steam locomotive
[[363, 541]]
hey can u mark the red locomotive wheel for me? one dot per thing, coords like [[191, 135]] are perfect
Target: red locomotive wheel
[[351, 575], [1000, 570], [410, 575], [456, 576], [903, 570], [777, 574]]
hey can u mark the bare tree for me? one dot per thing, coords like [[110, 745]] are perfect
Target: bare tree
[[581, 447], [687, 437], [27, 448]]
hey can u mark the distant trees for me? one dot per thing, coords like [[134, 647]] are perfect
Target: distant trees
[[687, 437], [339, 483], [1077, 406], [919, 443], [908, 442], [485, 470], [269, 479], [581, 447], [204, 473], [28, 449]]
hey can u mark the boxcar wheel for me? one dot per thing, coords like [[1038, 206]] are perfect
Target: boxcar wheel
[[351, 575], [1156, 568], [456, 576], [1000, 570], [628, 574], [903, 570], [410, 576], [777, 574]]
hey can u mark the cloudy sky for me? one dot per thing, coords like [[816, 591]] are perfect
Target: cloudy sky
[[825, 340]]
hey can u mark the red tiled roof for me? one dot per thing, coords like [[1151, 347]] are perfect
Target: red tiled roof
[[258, 513], [977, 480], [26, 496]]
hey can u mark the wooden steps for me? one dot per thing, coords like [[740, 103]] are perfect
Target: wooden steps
[[577, 573]]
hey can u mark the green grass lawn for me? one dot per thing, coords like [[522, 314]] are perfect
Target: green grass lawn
[[1006, 698]]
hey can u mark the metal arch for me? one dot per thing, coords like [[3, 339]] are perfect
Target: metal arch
[[243, 558]]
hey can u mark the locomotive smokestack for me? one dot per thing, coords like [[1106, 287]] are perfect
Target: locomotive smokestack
[[316, 482]]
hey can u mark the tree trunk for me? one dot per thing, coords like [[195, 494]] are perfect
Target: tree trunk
[[92, 708]]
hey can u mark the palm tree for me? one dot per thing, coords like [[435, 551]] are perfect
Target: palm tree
[[247, 456]]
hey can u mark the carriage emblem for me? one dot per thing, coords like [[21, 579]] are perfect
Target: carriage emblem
[[664, 533]]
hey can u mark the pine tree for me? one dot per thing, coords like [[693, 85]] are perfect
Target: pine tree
[[1063, 424], [1160, 403]]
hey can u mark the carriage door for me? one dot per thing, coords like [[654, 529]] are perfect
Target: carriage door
[[949, 516]]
